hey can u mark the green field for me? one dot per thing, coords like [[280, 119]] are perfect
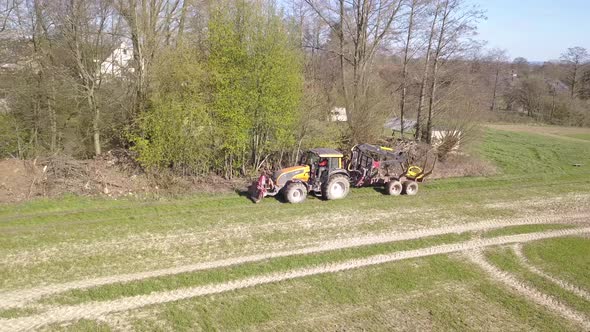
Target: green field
[[56, 242]]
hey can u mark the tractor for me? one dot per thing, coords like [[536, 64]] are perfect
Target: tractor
[[323, 173], [320, 172]]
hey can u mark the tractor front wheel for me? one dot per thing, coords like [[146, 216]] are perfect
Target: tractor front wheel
[[394, 188], [410, 188], [337, 187], [295, 192]]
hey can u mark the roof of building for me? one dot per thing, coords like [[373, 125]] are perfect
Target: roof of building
[[396, 124], [326, 152]]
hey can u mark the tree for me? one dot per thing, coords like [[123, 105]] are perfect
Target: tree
[[361, 27], [86, 33], [421, 98], [414, 6], [584, 89], [176, 132], [574, 58], [256, 84], [528, 94], [497, 59], [7, 7], [149, 24], [457, 24]]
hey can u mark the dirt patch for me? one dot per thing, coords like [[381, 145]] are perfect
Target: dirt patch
[[16, 180], [113, 174]]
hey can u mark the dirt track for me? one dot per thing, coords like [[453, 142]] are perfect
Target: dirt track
[[21, 297], [561, 283], [96, 310], [529, 292]]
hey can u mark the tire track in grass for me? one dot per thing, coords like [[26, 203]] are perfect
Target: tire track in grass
[[96, 310], [536, 296], [561, 283], [19, 298]]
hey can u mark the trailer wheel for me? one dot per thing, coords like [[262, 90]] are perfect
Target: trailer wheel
[[337, 187], [295, 192], [394, 188], [410, 188]]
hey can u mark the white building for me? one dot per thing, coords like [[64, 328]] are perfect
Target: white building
[[338, 114], [117, 62], [3, 106]]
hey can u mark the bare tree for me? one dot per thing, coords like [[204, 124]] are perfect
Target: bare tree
[[149, 23], [7, 7], [457, 23], [574, 58], [413, 7], [422, 95], [361, 27], [88, 38], [528, 94], [497, 58]]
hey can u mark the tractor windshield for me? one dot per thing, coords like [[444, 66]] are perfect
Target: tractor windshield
[[309, 158]]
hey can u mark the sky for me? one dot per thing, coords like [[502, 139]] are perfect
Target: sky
[[537, 30]]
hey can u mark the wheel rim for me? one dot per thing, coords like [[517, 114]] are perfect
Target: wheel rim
[[396, 189], [338, 189]]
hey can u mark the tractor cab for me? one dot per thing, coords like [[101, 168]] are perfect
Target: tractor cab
[[321, 162]]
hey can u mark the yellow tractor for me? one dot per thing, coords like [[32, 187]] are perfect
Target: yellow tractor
[[320, 172]]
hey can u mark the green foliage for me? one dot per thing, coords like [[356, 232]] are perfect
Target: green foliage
[[175, 131], [229, 110], [9, 137], [256, 81]]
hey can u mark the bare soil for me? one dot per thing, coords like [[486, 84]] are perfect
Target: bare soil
[[114, 174]]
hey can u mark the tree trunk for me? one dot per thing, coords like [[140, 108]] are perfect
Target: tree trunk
[[405, 68], [418, 133], [493, 106], [181, 23], [52, 117], [95, 122], [342, 73], [574, 78], [433, 84]]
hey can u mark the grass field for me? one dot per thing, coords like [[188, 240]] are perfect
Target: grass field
[[96, 264]]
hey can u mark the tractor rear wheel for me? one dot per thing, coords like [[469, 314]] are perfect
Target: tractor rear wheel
[[295, 192], [394, 188], [337, 187], [410, 188]]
